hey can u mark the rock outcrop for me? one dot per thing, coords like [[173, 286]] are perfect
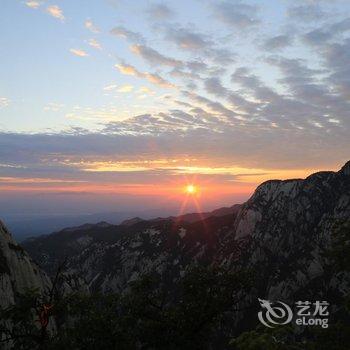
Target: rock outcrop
[[18, 272], [290, 225]]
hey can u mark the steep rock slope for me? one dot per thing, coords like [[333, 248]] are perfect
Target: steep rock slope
[[291, 224], [17, 270]]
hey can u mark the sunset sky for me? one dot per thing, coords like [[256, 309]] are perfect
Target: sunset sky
[[116, 104]]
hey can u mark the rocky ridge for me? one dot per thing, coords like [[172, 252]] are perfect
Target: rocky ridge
[[18, 272]]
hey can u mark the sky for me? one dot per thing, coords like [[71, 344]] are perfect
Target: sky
[[118, 105]]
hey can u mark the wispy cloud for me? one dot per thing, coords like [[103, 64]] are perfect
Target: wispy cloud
[[55, 11], [278, 42], [154, 57], [79, 52], [33, 4], [322, 35], [89, 24], [160, 12], [306, 12], [129, 35], [153, 78], [157, 80], [110, 87], [127, 69], [162, 145], [236, 14], [188, 39], [4, 102], [145, 90], [125, 88], [105, 113], [95, 44]]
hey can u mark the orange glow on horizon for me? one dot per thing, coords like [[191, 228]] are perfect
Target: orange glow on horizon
[[173, 187]]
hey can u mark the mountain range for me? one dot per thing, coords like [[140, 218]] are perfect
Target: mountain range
[[282, 233]]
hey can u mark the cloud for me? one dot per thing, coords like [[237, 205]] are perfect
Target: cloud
[[317, 37], [154, 57], [55, 11], [127, 69], [309, 12], [104, 113], [213, 106], [278, 42], [160, 12], [295, 70], [187, 39], [209, 140], [337, 56], [340, 27], [179, 73], [158, 80], [221, 56], [197, 66], [95, 44], [4, 102], [110, 87], [125, 88], [214, 86], [91, 26], [309, 102], [153, 78], [127, 34], [320, 36], [33, 4], [237, 15], [145, 90], [79, 52]]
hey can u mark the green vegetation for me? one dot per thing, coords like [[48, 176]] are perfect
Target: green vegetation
[[150, 315]]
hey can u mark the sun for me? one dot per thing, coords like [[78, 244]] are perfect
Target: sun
[[191, 189]]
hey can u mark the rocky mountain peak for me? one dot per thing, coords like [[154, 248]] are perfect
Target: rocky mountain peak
[[346, 168], [18, 272], [3, 230], [132, 221]]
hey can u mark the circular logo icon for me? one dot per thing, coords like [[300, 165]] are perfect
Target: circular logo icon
[[277, 314]]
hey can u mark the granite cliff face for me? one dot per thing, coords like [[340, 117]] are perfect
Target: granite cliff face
[[18, 272], [291, 224], [281, 232]]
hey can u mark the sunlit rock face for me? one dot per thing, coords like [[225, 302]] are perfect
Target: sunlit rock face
[[290, 224], [281, 233], [17, 270]]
